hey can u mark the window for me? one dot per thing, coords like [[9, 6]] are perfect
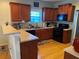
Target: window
[[35, 16]]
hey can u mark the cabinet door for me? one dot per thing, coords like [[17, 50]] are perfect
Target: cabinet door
[[52, 14], [66, 9], [29, 50], [55, 14], [67, 36], [60, 9], [41, 34], [15, 11], [47, 13], [50, 33], [70, 12], [44, 34], [25, 10]]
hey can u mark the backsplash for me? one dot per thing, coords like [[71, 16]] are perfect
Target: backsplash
[[30, 25], [64, 22]]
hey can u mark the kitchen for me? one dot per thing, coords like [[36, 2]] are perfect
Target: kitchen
[[20, 21]]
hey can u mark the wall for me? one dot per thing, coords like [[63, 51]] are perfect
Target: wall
[[74, 2], [4, 12]]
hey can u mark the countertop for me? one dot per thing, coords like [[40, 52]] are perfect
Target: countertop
[[72, 51], [45, 28], [9, 30], [38, 28], [24, 36], [67, 29]]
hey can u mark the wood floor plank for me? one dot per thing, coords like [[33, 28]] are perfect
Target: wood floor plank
[[4, 55], [52, 50]]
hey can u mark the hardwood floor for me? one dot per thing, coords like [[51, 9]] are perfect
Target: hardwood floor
[[48, 50], [4, 55], [52, 50]]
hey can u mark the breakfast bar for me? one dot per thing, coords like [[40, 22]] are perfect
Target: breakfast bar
[[25, 43]]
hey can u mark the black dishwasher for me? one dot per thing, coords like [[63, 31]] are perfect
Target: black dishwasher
[[58, 34]]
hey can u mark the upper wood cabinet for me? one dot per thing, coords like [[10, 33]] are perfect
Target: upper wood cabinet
[[25, 12], [49, 14], [55, 13], [20, 12], [68, 9], [15, 12], [46, 14]]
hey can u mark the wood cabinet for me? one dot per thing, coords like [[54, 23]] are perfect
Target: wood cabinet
[[48, 33], [44, 34], [15, 12], [68, 9], [46, 14], [67, 36], [55, 14], [49, 14], [70, 56], [70, 53], [25, 12], [71, 13], [20, 12], [29, 50]]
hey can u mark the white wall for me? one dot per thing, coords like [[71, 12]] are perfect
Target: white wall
[[4, 12], [64, 2]]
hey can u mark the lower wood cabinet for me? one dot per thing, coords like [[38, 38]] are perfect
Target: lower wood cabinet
[[67, 36], [44, 34], [69, 56], [29, 50]]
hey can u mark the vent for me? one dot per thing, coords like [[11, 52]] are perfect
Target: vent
[[36, 4]]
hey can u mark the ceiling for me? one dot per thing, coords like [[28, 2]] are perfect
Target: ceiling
[[51, 0]]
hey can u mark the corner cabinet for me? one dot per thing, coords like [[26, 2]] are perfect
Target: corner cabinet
[[68, 9], [49, 14], [19, 12], [67, 36]]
